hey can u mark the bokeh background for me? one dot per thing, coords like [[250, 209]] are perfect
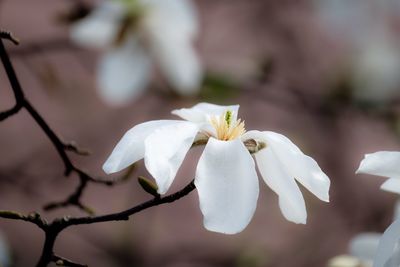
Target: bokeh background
[[295, 67]]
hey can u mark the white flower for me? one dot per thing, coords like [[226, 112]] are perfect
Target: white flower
[[385, 163], [226, 179], [134, 32], [363, 248], [375, 55], [376, 69]]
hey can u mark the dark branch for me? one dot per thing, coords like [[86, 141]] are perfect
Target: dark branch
[[124, 215], [60, 261], [74, 199], [8, 36], [60, 146], [32, 218], [52, 229]]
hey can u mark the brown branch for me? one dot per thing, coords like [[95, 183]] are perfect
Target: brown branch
[[124, 215], [61, 147], [53, 228], [8, 36], [74, 199], [60, 261]]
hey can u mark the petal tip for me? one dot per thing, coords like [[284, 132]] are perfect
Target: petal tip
[[222, 231], [108, 168]]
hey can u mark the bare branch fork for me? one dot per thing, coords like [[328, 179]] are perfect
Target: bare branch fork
[[21, 102], [52, 229]]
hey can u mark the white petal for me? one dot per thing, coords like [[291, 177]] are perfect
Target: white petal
[[180, 64], [275, 175], [382, 163], [176, 58], [387, 245], [300, 166], [201, 112], [394, 260], [131, 146], [100, 28], [396, 212], [123, 73], [5, 252], [178, 14], [364, 246], [391, 185], [168, 28], [344, 261], [165, 150], [227, 184]]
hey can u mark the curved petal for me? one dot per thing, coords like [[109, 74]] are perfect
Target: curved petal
[[179, 14], [300, 166], [391, 185], [227, 184], [123, 73], [168, 26], [100, 28], [201, 112], [364, 246], [5, 252], [291, 201], [344, 261], [165, 150], [176, 58], [382, 163], [396, 213], [387, 245], [131, 146]]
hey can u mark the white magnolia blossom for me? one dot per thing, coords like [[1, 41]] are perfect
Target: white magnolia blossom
[[386, 164], [363, 248], [366, 26], [376, 249], [135, 32], [387, 250], [226, 178]]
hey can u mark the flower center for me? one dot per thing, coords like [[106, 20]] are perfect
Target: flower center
[[226, 127]]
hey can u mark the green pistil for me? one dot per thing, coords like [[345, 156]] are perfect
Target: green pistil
[[228, 117]]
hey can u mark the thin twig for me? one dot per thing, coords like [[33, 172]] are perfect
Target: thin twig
[[60, 261], [62, 147], [74, 199], [124, 215], [53, 228], [8, 36]]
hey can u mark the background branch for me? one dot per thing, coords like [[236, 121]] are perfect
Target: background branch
[[61, 147], [52, 229]]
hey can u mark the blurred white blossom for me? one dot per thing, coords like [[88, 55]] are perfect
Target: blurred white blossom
[[385, 249], [345, 261], [383, 163], [132, 34], [366, 27], [5, 253], [226, 178]]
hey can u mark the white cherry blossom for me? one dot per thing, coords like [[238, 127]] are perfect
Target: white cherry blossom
[[133, 33], [226, 177]]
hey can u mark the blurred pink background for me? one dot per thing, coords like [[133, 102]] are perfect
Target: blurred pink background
[[238, 37]]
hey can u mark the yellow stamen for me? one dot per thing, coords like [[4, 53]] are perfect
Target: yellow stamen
[[225, 128]]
